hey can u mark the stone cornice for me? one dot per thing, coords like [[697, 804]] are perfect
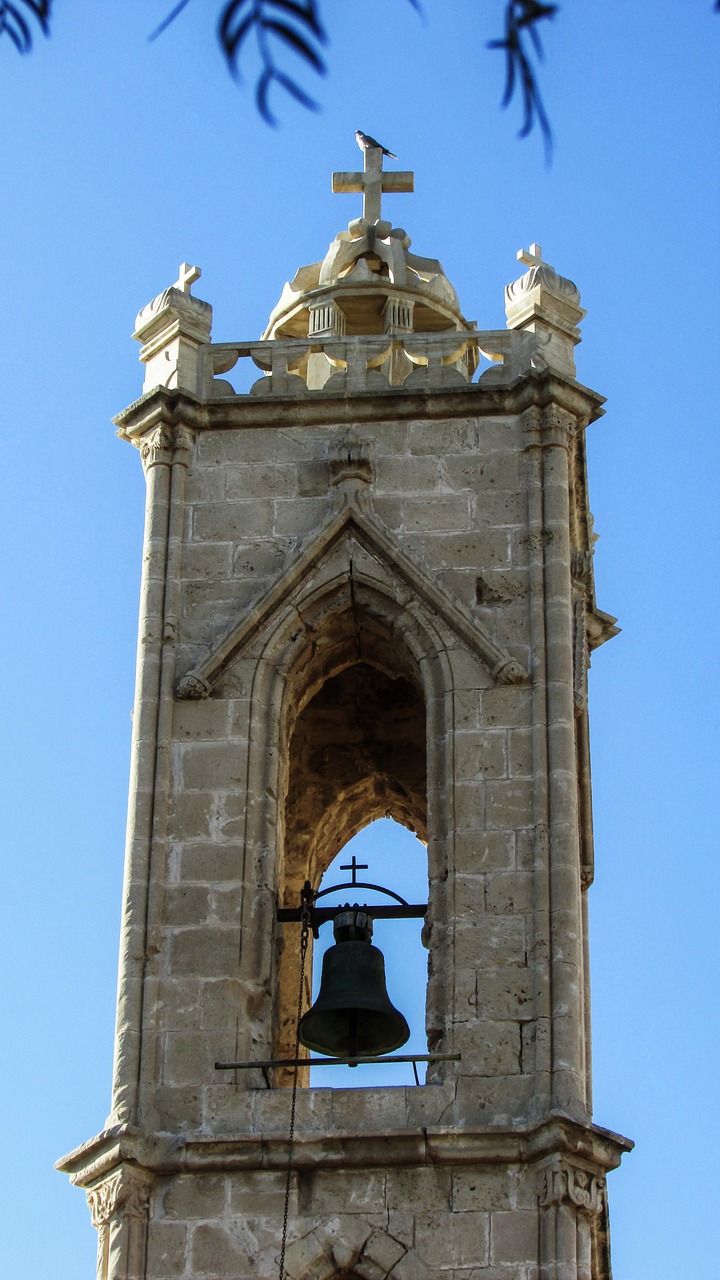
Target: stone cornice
[[598, 1149], [538, 387]]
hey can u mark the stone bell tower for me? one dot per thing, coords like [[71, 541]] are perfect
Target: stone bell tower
[[367, 589]]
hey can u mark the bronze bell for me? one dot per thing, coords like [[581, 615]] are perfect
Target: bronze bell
[[352, 1016]]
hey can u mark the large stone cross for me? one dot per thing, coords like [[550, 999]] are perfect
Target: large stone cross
[[372, 182]]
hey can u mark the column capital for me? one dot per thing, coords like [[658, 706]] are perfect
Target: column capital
[[125, 1193]]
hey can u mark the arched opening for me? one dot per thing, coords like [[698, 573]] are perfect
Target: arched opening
[[356, 752]]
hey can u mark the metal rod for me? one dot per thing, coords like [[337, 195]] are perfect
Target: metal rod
[[412, 911], [335, 1062]]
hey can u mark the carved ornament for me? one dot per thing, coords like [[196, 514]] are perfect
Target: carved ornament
[[165, 445], [125, 1193], [567, 1184]]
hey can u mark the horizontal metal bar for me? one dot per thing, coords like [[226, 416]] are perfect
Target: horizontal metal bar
[[337, 1062], [413, 911]]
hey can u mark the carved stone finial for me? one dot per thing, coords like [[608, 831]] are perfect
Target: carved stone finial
[[546, 303], [187, 275]]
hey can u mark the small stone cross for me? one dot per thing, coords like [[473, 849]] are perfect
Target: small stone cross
[[355, 866], [186, 276], [532, 257], [373, 182]]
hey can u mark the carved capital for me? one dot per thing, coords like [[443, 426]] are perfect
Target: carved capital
[[166, 445], [156, 449], [125, 1194], [567, 1184], [184, 443], [510, 672], [351, 470], [192, 687], [558, 427]]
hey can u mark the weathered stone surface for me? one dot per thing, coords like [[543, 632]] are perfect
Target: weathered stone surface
[[367, 591]]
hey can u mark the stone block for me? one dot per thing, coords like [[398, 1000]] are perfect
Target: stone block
[[483, 851], [488, 1048], [505, 993], [425, 1185], [520, 753], [509, 892], [179, 1108], [429, 1104], [251, 444], [383, 1252], [469, 806], [218, 1251], [207, 952], [456, 436], [196, 1196], [176, 1008], [207, 560], [453, 1241], [448, 513], [464, 471], [481, 755], [489, 941], [269, 480], [299, 516], [262, 1191], [210, 863], [313, 478], [366, 1110], [389, 511], [509, 804], [205, 484], [188, 1058], [405, 475], [200, 720], [191, 816], [485, 1189], [477, 549], [186, 904], [218, 522], [335, 1191], [307, 1257], [507, 707], [514, 1236], [212, 766], [167, 1250]]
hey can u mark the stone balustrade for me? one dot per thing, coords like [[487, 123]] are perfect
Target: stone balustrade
[[351, 365]]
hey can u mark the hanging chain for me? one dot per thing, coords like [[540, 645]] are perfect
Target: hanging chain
[[304, 935]]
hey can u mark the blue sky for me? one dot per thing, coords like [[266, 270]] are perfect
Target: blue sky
[[120, 159]]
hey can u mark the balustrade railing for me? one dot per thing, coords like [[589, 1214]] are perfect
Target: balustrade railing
[[409, 361]]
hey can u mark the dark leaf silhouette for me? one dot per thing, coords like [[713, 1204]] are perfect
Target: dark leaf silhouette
[[14, 22], [294, 24], [521, 17]]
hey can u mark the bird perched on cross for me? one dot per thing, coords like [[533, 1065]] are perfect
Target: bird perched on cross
[[365, 142]]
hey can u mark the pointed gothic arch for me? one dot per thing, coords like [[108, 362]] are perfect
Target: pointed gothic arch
[[355, 640]]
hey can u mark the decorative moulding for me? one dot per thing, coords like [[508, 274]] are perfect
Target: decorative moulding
[[348, 525]]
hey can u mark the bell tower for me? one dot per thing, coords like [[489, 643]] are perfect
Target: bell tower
[[367, 589]]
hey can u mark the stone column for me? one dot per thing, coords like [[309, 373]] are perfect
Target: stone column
[[571, 1199], [156, 450], [119, 1207], [568, 1087]]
